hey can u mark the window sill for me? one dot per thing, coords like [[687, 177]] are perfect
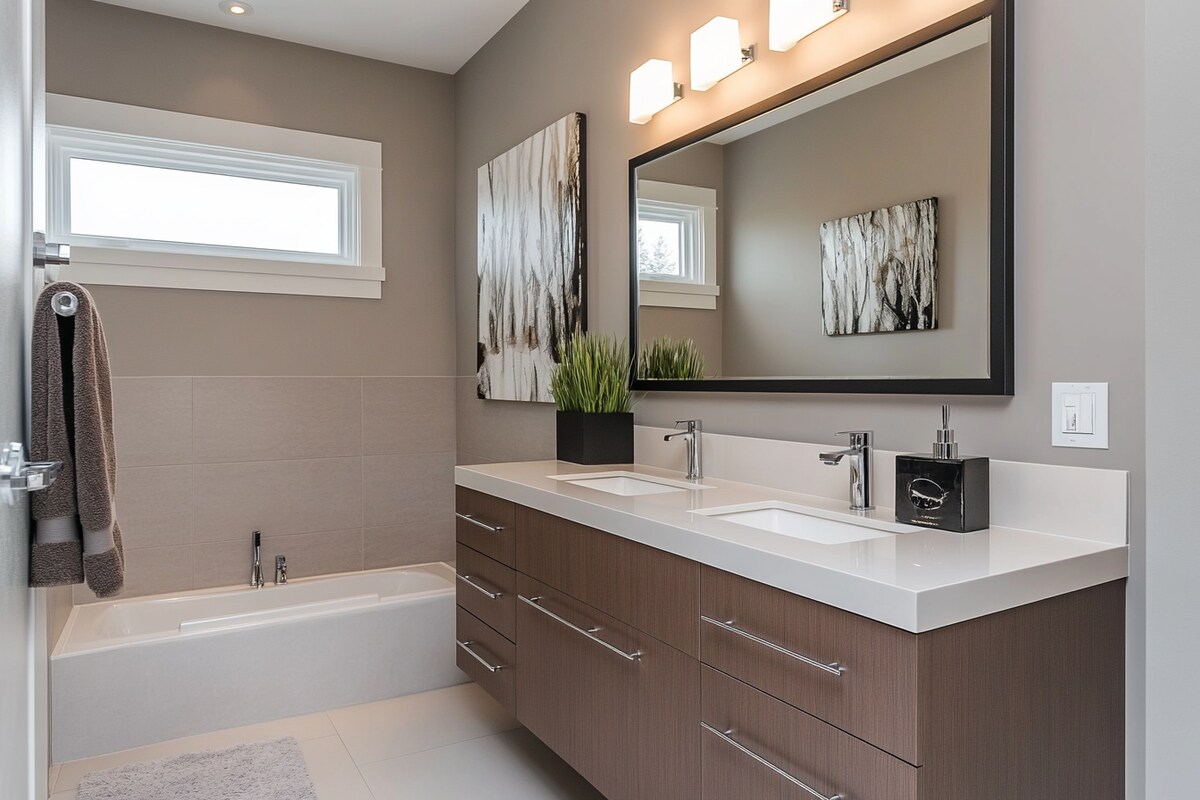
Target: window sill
[[673, 294], [102, 266]]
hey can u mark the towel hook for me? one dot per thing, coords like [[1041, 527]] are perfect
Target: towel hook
[[65, 304]]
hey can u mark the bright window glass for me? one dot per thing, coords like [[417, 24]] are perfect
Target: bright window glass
[[658, 247], [155, 204]]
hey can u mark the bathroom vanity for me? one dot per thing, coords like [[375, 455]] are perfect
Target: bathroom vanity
[[668, 653]]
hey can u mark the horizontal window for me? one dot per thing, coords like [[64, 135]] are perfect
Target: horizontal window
[[213, 214]]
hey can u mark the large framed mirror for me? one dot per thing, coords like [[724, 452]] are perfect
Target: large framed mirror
[[851, 235]]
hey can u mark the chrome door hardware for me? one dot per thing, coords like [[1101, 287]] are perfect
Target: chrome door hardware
[[727, 738], [19, 475], [49, 254], [590, 632], [473, 521], [833, 667]]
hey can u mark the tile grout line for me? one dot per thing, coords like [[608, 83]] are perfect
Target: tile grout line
[[337, 732], [438, 747]]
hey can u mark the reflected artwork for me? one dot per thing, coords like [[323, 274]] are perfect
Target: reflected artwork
[[879, 270]]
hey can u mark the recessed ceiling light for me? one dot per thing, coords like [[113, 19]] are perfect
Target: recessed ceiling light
[[236, 8]]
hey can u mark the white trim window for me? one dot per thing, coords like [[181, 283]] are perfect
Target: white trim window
[[155, 198], [677, 245]]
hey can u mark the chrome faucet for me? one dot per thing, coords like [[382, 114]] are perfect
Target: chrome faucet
[[256, 575], [280, 570], [860, 452], [695, 467]]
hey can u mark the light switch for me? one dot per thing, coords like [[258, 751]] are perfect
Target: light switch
[[1080, 415]]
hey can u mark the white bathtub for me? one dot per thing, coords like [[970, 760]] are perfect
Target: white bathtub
[[134, 672]]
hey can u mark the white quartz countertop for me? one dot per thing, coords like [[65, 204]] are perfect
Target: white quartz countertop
[[916, 581]]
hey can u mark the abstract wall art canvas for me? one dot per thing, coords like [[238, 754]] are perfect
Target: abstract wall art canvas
[[879, 270], [532, 260]]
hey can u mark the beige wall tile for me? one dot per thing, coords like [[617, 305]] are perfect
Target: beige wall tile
[[151, 570], [277, 497], [154, 506], [408, 415], [497, 430], [260, 419], [405, 489], [400, 545], [308, 554], [152, 421]]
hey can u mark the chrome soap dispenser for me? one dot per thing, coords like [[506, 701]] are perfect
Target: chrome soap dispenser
[[943, 490]]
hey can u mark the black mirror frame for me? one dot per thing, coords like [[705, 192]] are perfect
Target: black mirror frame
[[1000, 327]]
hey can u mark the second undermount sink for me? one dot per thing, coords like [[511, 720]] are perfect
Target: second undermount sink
[[814, 525], [627, 484]]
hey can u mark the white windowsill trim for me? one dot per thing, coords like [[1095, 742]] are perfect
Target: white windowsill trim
[[677, 294], [121, 267]]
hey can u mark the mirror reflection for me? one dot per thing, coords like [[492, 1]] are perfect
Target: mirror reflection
[[843, 235]]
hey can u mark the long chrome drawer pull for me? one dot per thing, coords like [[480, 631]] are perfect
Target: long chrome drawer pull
[[727, 739], [466, 646], [833, 668], [484, 525], [470, 581], [636, 655]]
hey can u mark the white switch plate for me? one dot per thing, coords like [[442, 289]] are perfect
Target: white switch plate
[[1079, 415]]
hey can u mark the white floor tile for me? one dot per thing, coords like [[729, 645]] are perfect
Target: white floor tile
[[54, 770], [64, 795], [393, 728], [506, 766], [332, 770], [306, 728]]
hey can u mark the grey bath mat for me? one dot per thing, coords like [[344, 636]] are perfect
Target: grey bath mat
[[271, 770]]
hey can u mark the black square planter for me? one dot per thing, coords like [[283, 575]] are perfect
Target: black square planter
[[584, 438]]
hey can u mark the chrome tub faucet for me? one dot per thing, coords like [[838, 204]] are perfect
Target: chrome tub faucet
[[256, 573], [860, 454], [280, 570], [695, 466]]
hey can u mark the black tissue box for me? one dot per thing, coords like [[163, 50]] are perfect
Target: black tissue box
[[950, 494]]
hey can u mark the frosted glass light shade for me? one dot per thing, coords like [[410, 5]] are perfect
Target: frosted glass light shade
[[652, 88], [792, 20], [716, 52]]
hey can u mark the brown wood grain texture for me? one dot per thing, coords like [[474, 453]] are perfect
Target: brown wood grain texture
[[498, 612], [653, 591]]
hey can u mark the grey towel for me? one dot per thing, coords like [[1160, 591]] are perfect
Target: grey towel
[[77, 535]]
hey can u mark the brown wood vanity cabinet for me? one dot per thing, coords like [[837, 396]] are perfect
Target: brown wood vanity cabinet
[[1027, 702], [659, 679], [486, 614]]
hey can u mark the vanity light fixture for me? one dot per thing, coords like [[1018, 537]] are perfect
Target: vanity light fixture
[[237, 9], [652, 88], [717, 52], [792, 20]]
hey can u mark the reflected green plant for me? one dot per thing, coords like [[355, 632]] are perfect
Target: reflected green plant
[[670, 359]]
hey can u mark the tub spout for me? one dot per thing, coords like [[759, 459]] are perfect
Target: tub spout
[[280, 570]]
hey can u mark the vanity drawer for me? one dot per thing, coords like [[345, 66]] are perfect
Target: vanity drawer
[[849, 671], [656, 592], [486, 524], [756, 746], [487, 657], [487, 589]]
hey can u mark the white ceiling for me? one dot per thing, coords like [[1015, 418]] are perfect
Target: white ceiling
[[440, 35]]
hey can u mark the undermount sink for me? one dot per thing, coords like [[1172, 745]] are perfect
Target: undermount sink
[[627, 484], [810, 524]]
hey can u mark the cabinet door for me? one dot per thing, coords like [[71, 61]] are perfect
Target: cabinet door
[[668, 722], [578, 684]]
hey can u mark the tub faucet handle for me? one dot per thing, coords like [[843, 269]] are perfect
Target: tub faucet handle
[[280, 570]]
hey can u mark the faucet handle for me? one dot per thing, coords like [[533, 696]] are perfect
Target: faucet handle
[[859, 438], [693, 425]]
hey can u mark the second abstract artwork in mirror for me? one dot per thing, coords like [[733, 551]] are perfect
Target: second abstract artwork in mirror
[[879, 270]]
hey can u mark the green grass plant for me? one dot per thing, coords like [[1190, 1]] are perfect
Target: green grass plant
[[670, 359], [592, 375]]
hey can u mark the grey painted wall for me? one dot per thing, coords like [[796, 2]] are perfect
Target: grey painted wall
[[924, 134], [1079, 222], [112, 53], [1172, 383]]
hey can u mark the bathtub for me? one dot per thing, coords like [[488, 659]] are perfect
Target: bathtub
[[132, 672]]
